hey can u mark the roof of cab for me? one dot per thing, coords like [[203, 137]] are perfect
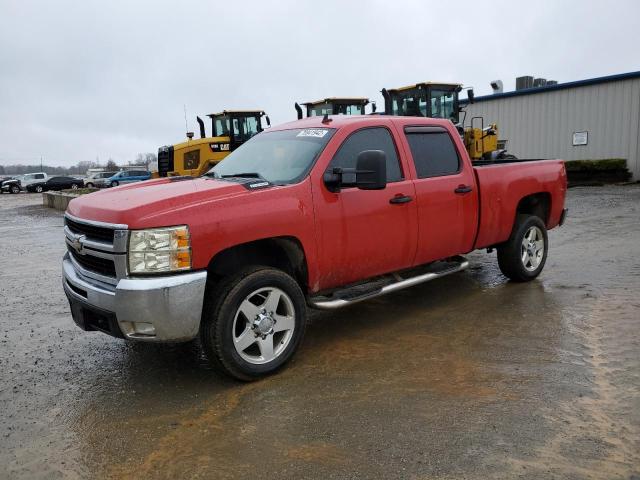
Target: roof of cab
[[226, 112], [415, 85], [359, 100], [339, 121]]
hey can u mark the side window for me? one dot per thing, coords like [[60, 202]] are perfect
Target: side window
[[433, 151], [39, 175], [376, 138]]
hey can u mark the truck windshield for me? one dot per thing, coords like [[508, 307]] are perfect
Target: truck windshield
[[280, 157]]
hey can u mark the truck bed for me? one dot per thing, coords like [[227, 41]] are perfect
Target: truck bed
[[503, 183]]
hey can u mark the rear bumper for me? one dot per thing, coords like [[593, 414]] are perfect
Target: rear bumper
[[159, 309]]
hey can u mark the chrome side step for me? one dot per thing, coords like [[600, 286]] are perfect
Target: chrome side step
[[391, 283]]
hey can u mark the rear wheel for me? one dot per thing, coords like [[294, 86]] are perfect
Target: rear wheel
[[15, 189], [522, 257], [253, 322], [39, 189], [89, 185]]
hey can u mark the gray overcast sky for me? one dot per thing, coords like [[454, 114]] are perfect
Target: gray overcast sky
[[87, 79]]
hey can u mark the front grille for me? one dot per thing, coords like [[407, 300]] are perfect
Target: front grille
[[165, 161], [102, 266], [90, 231]]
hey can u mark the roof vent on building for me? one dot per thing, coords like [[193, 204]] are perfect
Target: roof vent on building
[[530, 82], [524, 82], [497, 86]]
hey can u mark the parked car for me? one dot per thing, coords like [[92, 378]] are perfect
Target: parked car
[[96, 178], [56, 183], [321, 213], [10, 185], [124, 177], [31, 178]]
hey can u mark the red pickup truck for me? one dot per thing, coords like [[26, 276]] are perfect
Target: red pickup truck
[[318, 213]]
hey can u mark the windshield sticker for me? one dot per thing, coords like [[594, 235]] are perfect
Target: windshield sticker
[[313, 132]]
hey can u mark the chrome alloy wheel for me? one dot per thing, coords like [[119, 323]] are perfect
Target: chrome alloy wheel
[[263, 325], [532, 250]]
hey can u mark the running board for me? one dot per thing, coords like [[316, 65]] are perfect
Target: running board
[[387, 284]]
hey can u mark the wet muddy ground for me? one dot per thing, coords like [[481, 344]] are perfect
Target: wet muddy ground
[[466, 377]]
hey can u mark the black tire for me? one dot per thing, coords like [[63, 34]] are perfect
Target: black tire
[[75, 186], [222, 304], [89, 185], [114, 183], [39, 189], [511, 253], [15, 189]]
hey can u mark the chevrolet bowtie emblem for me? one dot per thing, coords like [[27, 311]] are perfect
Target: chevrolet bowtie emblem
[[78, 243]]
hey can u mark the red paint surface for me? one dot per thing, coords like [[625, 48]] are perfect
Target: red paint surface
[[346, 236]]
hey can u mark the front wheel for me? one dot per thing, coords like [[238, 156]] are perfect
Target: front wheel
[[39, 189], [15, 189], [74, 186], [522, 257], [114, 183], [89, 185], [253, 322]]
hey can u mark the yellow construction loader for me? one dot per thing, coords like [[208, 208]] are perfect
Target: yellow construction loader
[[229, 130], [440, 100], [335, 106]]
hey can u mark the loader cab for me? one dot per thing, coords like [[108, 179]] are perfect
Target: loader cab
[[427, 99], [238, 125], [334, 106], [196, 156]]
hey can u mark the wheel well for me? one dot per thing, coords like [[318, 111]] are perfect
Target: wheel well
[[283, 253], [538, 204]]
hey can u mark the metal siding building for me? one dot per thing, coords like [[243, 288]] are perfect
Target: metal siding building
[[541, 122]]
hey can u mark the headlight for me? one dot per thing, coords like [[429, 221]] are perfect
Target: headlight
[[159, 250]]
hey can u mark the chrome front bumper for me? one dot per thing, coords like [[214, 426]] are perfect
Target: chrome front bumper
[[158, 309]]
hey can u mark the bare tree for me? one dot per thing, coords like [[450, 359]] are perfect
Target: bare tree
[[111, 165]]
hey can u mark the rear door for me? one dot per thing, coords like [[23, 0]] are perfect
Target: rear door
[[447, 200], [363, 233]]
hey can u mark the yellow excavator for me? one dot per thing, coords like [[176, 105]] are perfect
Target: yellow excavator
[[440, 100], [335, 106], [229, 130]]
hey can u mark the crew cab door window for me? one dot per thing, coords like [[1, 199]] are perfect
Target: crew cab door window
[[376, 138], [433, 152]]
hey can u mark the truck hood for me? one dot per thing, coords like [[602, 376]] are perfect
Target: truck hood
[[138, 203]]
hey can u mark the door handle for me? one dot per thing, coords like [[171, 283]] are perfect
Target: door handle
[[400, 199], [462, 189]]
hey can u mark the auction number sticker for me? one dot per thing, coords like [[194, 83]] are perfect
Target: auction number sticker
[[313, 132]]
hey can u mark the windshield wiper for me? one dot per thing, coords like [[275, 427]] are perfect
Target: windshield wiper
[[243, 175], [211, 174]]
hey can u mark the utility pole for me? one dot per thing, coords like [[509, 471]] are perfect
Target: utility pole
[[41, 163]]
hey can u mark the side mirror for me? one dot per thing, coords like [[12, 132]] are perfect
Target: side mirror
[[268, 121], [371, 170], [370, 173], [298, 110], [470, 95]]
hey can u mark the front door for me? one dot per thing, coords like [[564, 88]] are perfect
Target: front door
[[364, 233]]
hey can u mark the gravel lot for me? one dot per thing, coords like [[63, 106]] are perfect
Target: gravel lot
[[466, 377]]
